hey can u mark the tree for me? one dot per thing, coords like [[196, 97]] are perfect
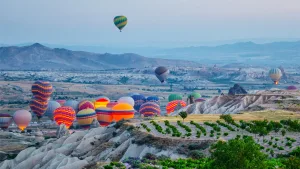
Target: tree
[[123, 79], [283, 132], [238, 153], [183, 115], [227, 118]]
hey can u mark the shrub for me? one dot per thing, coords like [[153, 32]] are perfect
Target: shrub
[[187, 128], [276, 139], [198, 126], [211, 135], [196, 154], [280, 148], [270, 143], [288, 144], [225, 134], [157, 127], [225, 125]]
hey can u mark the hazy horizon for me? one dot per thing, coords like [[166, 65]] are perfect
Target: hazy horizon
[[171, 23]]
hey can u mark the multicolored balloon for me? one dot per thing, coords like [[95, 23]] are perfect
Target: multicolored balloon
[[154, 99], [42, 90], [101, 102], [85, 118], [5, 120], [64, 115], [104, 116], [173, 97], [126, 99], [138, 101], [275, 74], [122, 111], [149, 109], [85, 104], [22, 118], [161, 73], [120, 22], [52, 105], [175, 105], [38, 107], [72, 103]]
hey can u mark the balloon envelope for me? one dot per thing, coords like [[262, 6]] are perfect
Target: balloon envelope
[[291, 88], [38, 107], [42, 90], [175, 105], [195, 95], [52, 105], [173, 97], [161, 73], [275, 74], [5, 120], [150, 109], [64, 115], [101, 102], [85, 118], [154, 99], [22, 118], [85, 104], [111, 104], [138, 101], [126, 99], [61, 102], [72, 103], [120, 22]]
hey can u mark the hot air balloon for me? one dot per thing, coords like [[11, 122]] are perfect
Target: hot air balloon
[[85, 118], [64, 115], [173, 97], [22, 119], [5, 121], [131, 94], [275, 74], [42, 90], [126, 99], [161, 73], [122, 111], [292, 88], [200, 100], [195, 95], [175, 105], [85, 105], [38, 107], [52, 105], [120, 22], [111, 104], [138, 101], [61, 102], [101, 102], [72, 103], [150, 109], [104, 116], [154, 99]]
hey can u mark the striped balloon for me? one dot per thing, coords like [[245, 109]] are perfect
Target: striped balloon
[[175, 105], [101, 102], [5, 121], [120, 22], [42, 90], [150, 109], [275, 74], [64, 115], [154, 99], [61, 102], [104, 116], [173, 97], [22, 119], [52, 105], [138, 101], [85, 104], [38, 107], [122, 111], [72, 103], [85, 117]]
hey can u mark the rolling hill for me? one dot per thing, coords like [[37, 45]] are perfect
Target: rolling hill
[[39, 57]]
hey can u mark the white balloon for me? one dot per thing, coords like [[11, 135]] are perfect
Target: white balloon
[[126, 99]]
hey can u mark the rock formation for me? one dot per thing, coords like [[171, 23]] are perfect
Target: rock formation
[[237, 89], [62, 131], [95, 124]]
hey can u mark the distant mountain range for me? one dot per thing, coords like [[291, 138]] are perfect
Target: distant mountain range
[[275, 53], [39, 57]]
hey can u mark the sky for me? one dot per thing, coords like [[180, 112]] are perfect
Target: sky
[[150, 22]]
